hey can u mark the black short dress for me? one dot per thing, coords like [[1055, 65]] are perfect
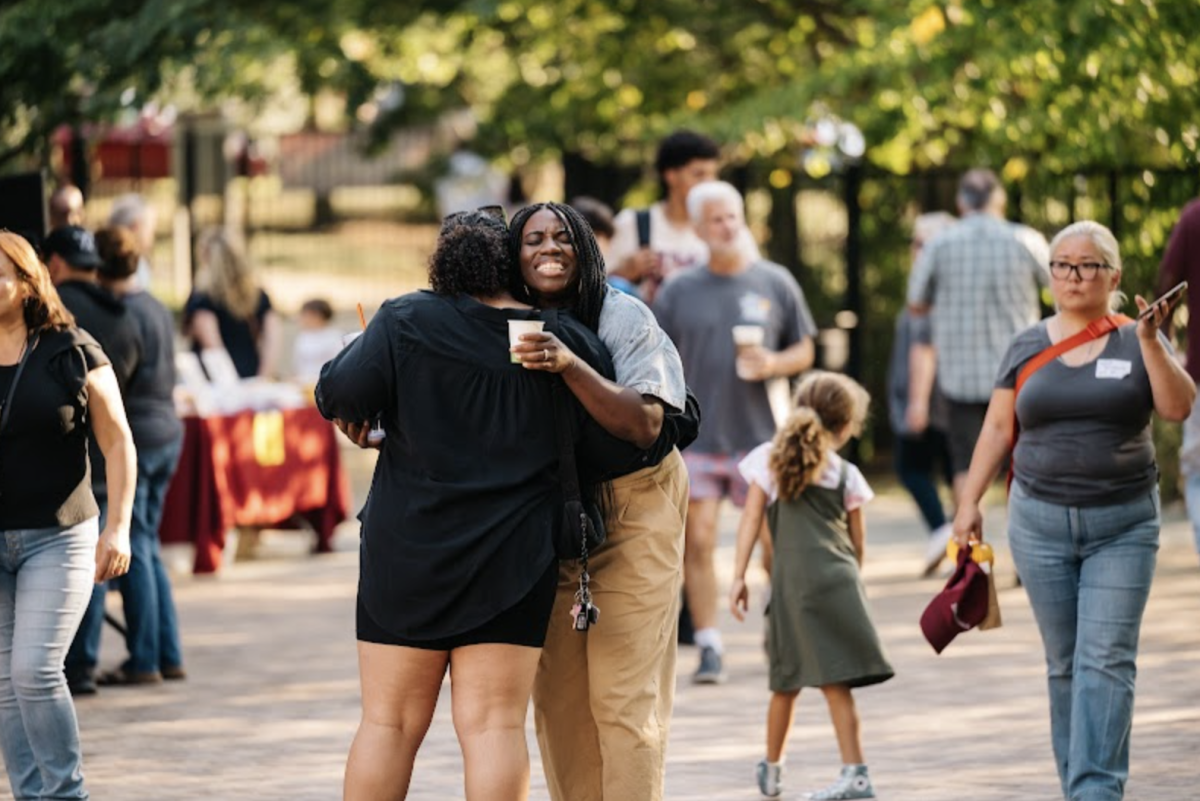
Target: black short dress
[[457, 529]]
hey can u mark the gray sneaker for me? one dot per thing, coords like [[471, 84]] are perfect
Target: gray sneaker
[[770, 779], [853, 783], [710, 670]]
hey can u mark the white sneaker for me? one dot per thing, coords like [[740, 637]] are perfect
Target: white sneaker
[[853, 783], [770, 779], [935, 550]]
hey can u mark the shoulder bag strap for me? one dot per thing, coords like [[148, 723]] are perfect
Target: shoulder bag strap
[[1094, 330], [643, 227], [566, 441], [563, 430]]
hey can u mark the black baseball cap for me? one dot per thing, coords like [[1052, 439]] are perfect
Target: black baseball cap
[[75, 245]]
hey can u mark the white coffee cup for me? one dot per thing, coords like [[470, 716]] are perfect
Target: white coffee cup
[[518, 327], [744, 338]]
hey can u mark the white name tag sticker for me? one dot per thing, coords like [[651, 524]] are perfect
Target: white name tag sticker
[[1113, 368]]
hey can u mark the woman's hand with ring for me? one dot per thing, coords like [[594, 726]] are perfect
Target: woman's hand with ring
[[544, 351]]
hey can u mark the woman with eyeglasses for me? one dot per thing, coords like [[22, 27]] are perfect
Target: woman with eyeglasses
[[1083, 510]]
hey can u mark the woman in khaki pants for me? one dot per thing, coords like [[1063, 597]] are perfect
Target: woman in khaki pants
[[602, 699]]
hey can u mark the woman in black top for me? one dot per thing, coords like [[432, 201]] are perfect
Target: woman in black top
[[230, 310], [457, 562], [55, 384]]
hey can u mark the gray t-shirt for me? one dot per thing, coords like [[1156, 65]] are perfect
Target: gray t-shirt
[[698, 309], [1085, 431], [644, 358]]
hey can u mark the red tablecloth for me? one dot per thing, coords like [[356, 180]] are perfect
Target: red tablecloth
[[257, 469]]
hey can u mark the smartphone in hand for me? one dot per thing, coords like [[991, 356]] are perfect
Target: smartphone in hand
[[1168, 299]]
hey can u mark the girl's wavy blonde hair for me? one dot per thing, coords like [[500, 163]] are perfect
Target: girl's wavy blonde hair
[[826, 403], [225, 274]]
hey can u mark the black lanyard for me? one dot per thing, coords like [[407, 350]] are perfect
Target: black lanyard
[[30, 344]]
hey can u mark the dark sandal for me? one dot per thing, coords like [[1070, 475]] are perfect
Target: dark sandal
[[119, 677]]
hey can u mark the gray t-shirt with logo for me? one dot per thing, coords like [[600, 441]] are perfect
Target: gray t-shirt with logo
[[1085, 431], [698, 309]]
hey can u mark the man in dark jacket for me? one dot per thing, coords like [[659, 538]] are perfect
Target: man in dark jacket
[[72, 259]]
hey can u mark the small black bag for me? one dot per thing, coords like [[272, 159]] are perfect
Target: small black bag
[[582, 530]]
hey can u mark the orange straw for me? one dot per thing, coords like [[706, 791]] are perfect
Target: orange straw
[[361, 317]]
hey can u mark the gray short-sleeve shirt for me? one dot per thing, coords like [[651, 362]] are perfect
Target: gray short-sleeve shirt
[[644, 357], [1085, 431], [698, 309]]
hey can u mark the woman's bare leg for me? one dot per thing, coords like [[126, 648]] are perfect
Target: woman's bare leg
[[490, 685], [399, 693]]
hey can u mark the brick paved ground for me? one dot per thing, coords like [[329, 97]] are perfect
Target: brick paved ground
[[271, 704]]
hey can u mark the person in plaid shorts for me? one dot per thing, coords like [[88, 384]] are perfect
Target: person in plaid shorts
[[702, 310]]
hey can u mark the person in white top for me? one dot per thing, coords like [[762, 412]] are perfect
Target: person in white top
[[685, 158], [316, 343], [819, 628]]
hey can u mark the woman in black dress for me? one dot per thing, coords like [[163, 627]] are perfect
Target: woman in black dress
[[457, 563]]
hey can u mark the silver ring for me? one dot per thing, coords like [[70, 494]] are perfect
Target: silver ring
[[545, 354]]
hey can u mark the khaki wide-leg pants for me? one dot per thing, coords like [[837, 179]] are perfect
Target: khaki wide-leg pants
[[602, 699]]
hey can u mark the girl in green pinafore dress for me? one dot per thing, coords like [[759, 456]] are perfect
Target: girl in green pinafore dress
[[819, 628]]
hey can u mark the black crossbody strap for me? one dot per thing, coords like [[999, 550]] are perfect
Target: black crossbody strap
[[566, 443], [30, 344], [643, 227], [562, 425]]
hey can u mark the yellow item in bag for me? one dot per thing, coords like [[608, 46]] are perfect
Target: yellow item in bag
[[981, 552]]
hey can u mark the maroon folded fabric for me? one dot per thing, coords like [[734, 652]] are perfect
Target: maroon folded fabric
[[961, 605]]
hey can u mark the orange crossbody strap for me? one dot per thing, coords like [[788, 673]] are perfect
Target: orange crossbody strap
[[1094, 330]]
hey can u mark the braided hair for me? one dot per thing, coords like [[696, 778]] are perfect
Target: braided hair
[[588, 296]]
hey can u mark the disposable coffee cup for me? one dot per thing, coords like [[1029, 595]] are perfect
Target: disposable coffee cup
[[747, 336], [518, 327], [744, 338]]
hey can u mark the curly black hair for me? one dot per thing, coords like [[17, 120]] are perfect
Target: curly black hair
[[471, 257], [589, 293]]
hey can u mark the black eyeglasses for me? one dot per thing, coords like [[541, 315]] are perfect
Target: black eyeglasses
[[1087, 271]]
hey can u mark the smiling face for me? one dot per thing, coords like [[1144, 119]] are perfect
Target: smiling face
[[1071, 291], [549, 266]]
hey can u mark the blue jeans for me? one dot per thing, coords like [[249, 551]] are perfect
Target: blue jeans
[[1088, 573], [46, 579], [152, 628], [1192, 496], [919, 462]]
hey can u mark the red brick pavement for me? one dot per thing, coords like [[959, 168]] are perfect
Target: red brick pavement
[[271, 704]]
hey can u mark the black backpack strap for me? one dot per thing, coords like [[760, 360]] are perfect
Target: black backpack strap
[[643, 227]]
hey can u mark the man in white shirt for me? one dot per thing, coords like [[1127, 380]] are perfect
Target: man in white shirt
[[684, 159]]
